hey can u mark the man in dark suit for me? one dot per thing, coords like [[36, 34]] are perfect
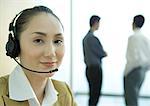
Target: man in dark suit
[[93, 54]]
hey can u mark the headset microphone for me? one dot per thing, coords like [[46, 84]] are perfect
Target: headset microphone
[[34, 70]]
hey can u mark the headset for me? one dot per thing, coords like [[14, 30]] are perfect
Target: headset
[[13, 46]]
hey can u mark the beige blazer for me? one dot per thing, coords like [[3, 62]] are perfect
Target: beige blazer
[[65, 97]]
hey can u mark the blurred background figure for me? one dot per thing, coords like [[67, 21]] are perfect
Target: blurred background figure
[[138, 62], [93, 54]]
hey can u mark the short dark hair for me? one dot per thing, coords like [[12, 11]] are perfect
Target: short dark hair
[[94, 19], [138, 21]]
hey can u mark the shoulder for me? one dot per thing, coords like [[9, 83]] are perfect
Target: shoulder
[[60, 86], [4, 84], [4, 79], [138, 37], [133, 38], [91, 39], [3, 88]]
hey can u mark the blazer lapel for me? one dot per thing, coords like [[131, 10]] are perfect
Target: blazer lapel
[[61, 99], [10, 102]]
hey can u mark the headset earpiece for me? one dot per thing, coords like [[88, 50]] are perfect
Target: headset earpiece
[[11, 27], [12, 47]]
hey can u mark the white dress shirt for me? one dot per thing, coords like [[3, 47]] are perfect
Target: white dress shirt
[[138, 52], [21, 90]]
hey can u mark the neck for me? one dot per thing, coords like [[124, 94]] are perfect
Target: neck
[[38, 84], [136, 29], [92, 29]]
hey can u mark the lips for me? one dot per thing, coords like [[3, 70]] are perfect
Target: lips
[[49, 64]]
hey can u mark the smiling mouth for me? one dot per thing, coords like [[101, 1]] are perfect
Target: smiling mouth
[[49, 64]]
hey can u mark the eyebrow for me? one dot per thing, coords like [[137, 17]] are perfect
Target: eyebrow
[[44, 34], [39, 33]]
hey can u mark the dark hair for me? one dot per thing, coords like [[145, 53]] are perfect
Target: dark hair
[[22, 19], [94, 19], [138, 21]]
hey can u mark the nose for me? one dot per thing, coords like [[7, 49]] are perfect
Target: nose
[[50, 50]]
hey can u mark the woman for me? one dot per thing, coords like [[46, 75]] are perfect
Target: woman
[[36, 38]]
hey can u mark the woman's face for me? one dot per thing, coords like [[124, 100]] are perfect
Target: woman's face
[[42, 44]]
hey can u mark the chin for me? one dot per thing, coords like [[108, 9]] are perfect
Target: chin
[[45, 75], [50, 74]]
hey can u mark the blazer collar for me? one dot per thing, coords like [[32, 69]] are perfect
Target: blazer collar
[[10, 102]]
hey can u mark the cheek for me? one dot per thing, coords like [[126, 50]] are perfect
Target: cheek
[[27, 57], [29, 52], [60, 54]]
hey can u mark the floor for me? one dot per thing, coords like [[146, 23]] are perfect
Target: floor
[[109, 101]]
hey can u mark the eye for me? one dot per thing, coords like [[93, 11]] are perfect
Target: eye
[[58, 42], [38, 41]]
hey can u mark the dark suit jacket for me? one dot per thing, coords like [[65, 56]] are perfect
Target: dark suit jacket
[[92, 49], [65, 97]]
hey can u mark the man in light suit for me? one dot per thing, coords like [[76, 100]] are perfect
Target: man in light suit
[[138, 62], [93, 54]]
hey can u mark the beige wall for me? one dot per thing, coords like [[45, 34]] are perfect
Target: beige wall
[[8, 10]]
